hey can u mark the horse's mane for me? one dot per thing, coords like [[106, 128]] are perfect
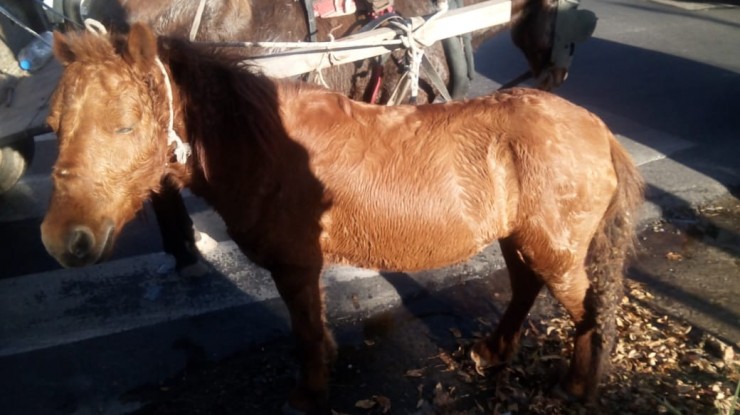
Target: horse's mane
[[229, 103]]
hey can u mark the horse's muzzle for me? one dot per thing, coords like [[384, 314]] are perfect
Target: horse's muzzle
[[552, 78], [79, 246]]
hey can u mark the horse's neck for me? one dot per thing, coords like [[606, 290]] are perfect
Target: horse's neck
[[229, 120]]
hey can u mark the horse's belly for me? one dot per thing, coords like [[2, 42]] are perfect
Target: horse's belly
[[402, 246]]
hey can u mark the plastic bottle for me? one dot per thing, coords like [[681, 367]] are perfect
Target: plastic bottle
[[36, 54]]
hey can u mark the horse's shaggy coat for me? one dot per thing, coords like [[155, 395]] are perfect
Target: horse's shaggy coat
[[303, 177], [532, 25]]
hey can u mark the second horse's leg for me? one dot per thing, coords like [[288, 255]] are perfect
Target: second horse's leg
[[176, 229]]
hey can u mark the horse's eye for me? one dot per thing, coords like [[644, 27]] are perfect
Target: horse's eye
[[124, 130]]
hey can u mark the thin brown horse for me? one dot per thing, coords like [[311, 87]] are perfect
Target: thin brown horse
[[304, 177], [532, 25]]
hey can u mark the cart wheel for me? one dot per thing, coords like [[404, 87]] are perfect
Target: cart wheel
[[14, 160]]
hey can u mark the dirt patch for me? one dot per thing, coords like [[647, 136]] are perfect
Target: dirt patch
[[672, 357], [691, 263]]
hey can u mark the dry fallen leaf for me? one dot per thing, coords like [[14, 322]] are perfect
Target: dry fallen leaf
[[415, 373], [448, 360], [384, 403], [673, 256], [442, 397], [365, 403]]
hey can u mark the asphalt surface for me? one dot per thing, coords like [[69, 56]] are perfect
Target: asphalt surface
[[665, 78]]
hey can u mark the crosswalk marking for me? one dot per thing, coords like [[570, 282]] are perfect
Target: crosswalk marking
[[62, 306]]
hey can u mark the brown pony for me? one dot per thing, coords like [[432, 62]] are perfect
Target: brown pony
[[532, 25], [303, 177]]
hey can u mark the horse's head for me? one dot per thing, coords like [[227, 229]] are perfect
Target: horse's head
[[547, 33], [110, 114]]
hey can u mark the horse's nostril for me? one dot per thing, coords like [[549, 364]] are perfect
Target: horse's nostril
[[81, 242]]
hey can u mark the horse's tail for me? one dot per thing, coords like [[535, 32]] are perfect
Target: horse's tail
[[611, 245]]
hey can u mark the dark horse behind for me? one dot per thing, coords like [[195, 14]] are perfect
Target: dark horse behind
[[304, 177], [532, 27]]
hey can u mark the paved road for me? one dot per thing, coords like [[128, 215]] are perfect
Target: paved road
[[665, 78]]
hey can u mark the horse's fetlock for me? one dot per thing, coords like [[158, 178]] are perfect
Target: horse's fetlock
[[491, 354]]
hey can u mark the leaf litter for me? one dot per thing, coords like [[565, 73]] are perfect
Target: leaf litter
[[661, 365]]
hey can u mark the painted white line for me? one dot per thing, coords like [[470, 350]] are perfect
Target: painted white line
[[649, 145], [644, 144], [63, 306], [690, 6]]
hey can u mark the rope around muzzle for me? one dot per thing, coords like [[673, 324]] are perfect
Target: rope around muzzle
[[182, 149]]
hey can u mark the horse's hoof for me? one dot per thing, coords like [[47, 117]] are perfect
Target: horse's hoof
[[479, 355], [560, 393], [195, 270], [585, 397], [487, 360]]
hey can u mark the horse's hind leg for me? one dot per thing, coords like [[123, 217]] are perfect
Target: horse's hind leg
[[561, 267], [563, 271], [589, 354], [499, 347]]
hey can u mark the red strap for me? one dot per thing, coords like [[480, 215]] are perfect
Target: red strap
[[377, 81], [377, 13], [329, 8]]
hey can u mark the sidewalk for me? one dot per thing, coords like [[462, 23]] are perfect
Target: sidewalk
[[25, 103]]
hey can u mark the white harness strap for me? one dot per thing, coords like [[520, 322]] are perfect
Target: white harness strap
[[196, 22]]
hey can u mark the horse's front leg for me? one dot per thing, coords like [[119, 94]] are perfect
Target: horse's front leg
[[299, 289]]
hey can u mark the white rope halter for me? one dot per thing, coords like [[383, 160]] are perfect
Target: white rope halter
[[182, 149]]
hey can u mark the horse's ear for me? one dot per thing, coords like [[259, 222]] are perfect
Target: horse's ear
[[62, 51], [142, 46]]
